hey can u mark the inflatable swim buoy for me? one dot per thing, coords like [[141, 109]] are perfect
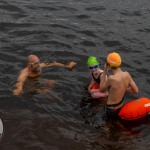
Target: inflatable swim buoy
[[94, 86], [135, 109]]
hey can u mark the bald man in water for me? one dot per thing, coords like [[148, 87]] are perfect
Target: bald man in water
[[34, 70]]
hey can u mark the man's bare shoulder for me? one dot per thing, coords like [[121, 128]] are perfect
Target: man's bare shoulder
[[25, 71], [111, 77], [127, 74], [119, 77]]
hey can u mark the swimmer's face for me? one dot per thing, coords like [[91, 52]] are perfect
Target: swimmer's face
[[93, 68], [34, 65]]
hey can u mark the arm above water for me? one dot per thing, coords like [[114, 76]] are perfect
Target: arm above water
[[132, 86], [20, 82], [69, 65], [105, 81]]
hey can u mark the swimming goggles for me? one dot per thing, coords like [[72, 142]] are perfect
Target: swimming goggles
[[93, 67], [33, 63]]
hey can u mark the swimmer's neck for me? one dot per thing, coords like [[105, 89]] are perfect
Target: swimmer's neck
[[117, 70], [35, 70], [34, 73]]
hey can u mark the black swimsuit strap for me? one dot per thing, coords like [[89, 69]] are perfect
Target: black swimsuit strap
[[98, 78], [115, 105]]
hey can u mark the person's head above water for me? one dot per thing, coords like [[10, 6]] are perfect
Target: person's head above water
[[92, 61], [114, 60], [32, 59]]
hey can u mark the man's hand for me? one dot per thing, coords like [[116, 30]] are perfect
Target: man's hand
[[70, 65], [106, 67], [17, 92]]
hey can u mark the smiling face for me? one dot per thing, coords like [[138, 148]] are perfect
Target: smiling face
[[93, 64], [93, 68]]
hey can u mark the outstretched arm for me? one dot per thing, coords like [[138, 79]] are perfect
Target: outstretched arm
[[20, 82], [69, 65]]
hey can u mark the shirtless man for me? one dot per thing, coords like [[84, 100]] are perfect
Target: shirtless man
[[34, 70], [117, 84]]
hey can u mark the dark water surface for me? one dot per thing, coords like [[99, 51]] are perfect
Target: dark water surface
[[65, 118]]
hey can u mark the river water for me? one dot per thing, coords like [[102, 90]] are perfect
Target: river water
[[66, 118]]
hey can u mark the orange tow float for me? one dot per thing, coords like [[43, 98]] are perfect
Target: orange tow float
[[135, 109]]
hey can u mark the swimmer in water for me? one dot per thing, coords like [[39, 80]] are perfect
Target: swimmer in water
[[117, 84], [96, 75], [34, 70]]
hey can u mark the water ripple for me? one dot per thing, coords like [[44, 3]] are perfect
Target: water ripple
[[63, 31]]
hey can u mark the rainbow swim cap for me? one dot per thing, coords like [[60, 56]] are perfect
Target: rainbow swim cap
[[92, 61], [114, 59]]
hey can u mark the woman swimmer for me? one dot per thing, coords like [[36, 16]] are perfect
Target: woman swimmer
[[96, 74]]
